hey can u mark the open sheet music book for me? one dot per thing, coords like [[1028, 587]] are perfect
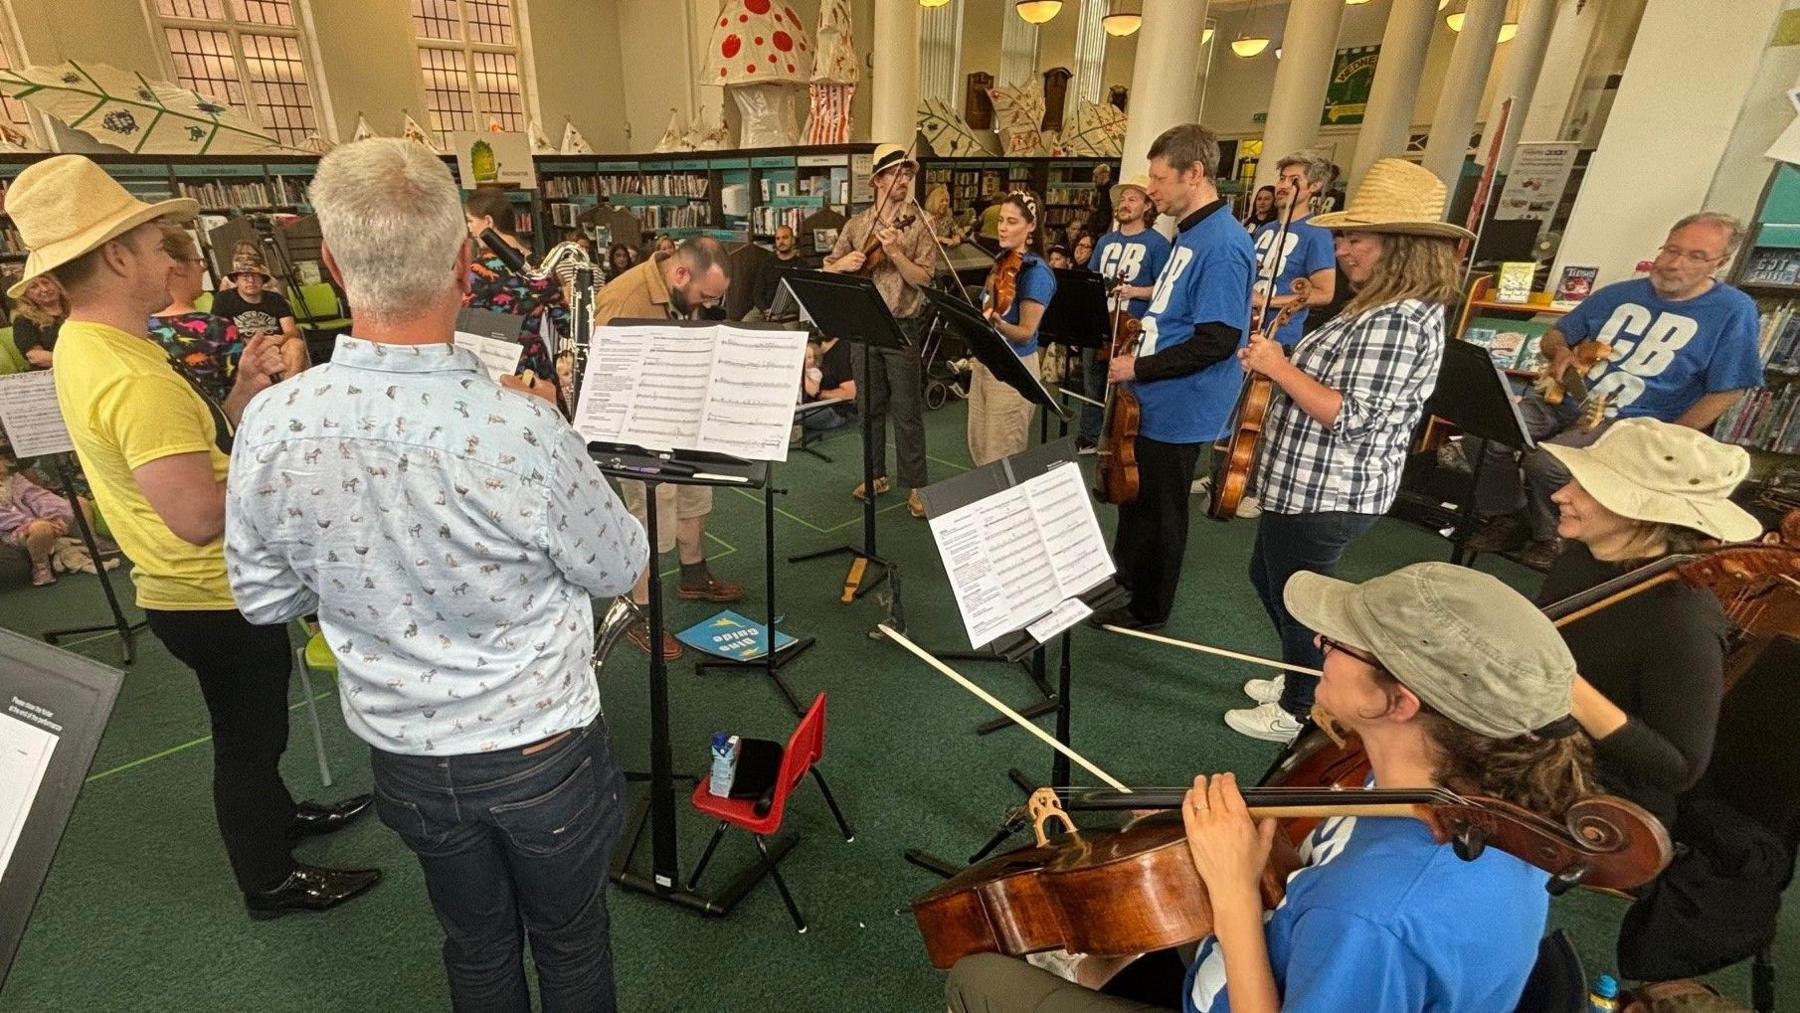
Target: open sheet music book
[[680, 385], [1014, 556]]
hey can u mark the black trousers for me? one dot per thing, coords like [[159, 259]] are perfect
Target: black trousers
[[243, 672], [1153, 528]]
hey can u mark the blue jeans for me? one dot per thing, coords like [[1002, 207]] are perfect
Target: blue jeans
[[515, 842], [1285, 545]]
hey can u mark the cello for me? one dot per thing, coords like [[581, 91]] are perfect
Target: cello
[[1115, 468], [1234, 460]]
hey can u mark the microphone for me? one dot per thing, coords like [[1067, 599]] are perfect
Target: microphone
[[513, 259]]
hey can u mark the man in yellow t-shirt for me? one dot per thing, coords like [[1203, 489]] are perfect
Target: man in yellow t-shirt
[[155, 453]]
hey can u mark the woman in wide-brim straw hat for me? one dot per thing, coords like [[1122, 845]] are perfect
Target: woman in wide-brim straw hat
[[1653, 665], [1344, 408]]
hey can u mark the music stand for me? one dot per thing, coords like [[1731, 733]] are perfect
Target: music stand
[[990, 349], [850, 307], [1077, 318], [1473, 395]]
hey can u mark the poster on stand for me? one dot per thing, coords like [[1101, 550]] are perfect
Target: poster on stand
[[489, 159], [1536, 180]]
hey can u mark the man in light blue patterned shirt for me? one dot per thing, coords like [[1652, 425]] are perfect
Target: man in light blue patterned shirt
[[451, 533]]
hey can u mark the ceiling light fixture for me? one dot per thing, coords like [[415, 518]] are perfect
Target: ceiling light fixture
[[928, 4], [1122, 23], [1509, 27], [1244, 45], [1038, 12]]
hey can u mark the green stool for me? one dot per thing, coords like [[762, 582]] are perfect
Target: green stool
[[316, 656]]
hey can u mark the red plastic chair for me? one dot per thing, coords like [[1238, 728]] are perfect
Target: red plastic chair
[[800, 757]]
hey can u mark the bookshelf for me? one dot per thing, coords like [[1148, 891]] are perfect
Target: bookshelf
[[1766, 421], [1064, 184]]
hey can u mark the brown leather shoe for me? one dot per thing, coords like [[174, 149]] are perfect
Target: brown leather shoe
[[915, 505], [882, 485], [711, 589], [639, 632], [1500, 534]]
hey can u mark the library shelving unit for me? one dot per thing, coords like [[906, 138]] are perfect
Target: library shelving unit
[[1767, 421], [1063, 184]]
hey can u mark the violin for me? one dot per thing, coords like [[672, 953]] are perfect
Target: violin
[[1002, 285], [1125, 892], [1116, 468], [873, 254], [1234, 460]]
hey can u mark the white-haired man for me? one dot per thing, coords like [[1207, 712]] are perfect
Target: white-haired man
[[449, 532], [1306, 250], [153, 448], [1681, 347]]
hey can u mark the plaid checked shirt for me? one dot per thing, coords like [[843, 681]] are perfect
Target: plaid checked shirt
[[1384, 361]]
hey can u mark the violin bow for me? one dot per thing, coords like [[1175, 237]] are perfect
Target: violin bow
[[989, 699], [1275, 251], [1219, 651]]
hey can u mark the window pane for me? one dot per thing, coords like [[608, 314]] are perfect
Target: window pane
[[206, 10], [436, 19], [490, 21], [278, 82], [446, 75], [263, 12], [497, 89], [204, 63]]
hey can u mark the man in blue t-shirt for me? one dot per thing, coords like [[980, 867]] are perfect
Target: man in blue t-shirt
[[1682, 349], [1306, 250], [1185, 373], [1131, 255]]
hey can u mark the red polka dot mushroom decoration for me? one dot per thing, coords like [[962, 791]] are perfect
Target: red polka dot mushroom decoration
[[761, 56]]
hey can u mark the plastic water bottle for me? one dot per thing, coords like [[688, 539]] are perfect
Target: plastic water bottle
[[1605, 996], [724, 764]]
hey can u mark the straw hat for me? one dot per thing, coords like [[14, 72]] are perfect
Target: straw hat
[[67, 206], [1139, 182], [1396, 196], [1649, 470], [889, 155], [248, 263]]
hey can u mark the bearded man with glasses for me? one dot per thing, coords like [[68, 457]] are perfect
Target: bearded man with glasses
[[1681, 347]]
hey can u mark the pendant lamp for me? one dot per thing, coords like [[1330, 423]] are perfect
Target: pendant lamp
[[1038, 12]]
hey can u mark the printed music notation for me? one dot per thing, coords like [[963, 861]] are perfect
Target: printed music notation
[[1014, 556], [720, 389]]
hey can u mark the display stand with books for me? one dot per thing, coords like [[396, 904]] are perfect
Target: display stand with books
[[686, 403], [1026, 561]]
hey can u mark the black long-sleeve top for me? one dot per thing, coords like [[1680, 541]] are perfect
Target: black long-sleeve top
[[1660, 656]]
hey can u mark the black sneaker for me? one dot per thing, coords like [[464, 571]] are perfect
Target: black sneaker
[[1123, 618]]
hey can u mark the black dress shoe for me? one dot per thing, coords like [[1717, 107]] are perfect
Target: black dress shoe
[[1121, 616], [312, 819], [311, 888]]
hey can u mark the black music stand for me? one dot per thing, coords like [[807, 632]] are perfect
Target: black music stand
[[124, 627], [1077, 318], [1473, 395], [657, 808], [850, 307], [959, 491]]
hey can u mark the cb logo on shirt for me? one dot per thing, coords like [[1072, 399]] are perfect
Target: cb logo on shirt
[[1644, 345]]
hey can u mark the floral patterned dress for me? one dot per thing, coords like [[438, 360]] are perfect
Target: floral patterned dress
[[206, 346], [493, 287]]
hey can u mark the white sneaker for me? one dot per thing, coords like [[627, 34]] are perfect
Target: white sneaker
[[1264, 721], [1248, 507], [1200, 486], [1265, 690]]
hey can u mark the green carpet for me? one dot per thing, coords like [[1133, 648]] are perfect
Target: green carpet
[[140, 912]]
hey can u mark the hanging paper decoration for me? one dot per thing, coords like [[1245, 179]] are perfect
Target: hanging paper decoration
[[413, 132], [760, 54], [363, 130], [126, 109], [1018, 114], [834, 76], [701, 137], [316, 144], [947, 133], [675, 135], [540, 144], [12, 139], [1097, 130], [572, 141]]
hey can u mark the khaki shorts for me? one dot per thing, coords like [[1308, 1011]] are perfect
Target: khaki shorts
[[673, 503]]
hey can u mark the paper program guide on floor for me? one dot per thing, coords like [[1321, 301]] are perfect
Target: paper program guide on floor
[[717, 388], [1016, 555]]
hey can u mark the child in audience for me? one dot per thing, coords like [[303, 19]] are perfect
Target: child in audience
[[32, 518]]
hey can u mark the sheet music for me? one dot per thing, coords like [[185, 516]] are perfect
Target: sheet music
[[720, 389], [755, 375], [30, 415], [499, 357], [24, 756], [1016, 555]]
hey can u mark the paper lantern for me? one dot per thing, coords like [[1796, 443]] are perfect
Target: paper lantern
[[760, 53]]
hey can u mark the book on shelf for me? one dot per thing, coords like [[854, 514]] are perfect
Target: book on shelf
[[1513, 284], [1574, 285], [1512, 344], [1764, 419], [1772, 266]]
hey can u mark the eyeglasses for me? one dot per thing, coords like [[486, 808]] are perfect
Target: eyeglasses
[[1691, 256], [1328, 645]]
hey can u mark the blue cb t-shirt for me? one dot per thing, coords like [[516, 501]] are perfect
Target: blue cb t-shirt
[[1136, 259], [1383, 917], [1036, 283], [1665, 355], [1305, 248], [1207, 280]]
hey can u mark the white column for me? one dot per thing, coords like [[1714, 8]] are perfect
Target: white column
[[1524, 64], [940, 52], [1165, 90], [1387, 121], [1464, 82], [1018, 48], [1638, 183], [894, 81], [1090, 56], [1301, 77], [1560, 75]]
